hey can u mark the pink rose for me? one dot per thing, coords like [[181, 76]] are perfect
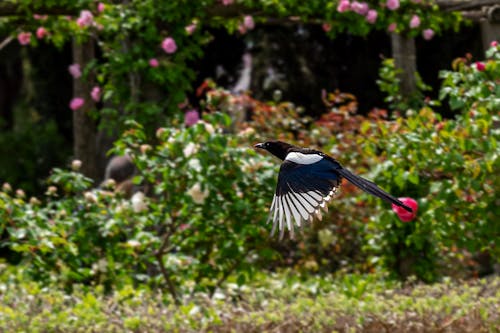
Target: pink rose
[[75, 71], [168, 45], [392, 27], [371, 17], [392, 4], [414, 22], [24, 38], [494, 43], [227, 2], [248, 22], [40, 17], [41, 32], [343, 6], [86, 19], [191, 117], [76, 103], [153, 62], [326, 27], [360, 7], [100, 7], [480, 66], [96, 93], [190, 29], [428, 34], [403, 214]]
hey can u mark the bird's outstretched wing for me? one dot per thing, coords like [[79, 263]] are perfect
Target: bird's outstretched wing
[[302, 190]]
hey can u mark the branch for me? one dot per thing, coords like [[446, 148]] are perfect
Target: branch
[[166, 276], [5, 42]]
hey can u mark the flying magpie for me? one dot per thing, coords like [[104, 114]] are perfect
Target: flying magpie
[[307, 180]]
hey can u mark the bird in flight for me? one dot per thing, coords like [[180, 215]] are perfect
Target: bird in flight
[[307, 180]]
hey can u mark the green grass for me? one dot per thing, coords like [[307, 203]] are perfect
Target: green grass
[[270, 303]]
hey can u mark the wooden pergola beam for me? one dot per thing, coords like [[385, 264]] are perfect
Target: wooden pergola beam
[[464, 5]]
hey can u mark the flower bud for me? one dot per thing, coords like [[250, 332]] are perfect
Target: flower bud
[[403, 214], [76, 165], [6, 187], [51, 190], [34, 201], [145, 148], [90, 197]]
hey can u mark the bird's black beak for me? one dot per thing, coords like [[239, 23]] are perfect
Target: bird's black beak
[[259, 145]]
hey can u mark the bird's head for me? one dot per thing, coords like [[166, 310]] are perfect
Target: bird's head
[[278, 148]]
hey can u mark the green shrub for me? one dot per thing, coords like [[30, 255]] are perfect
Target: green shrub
[[201, 221], [449, 166]]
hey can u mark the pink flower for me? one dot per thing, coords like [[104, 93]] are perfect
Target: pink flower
[[190, 29], [428, 34], [371, 17], [153, 62], [392, 27], [360, 7], [227, 2], [76, 103], [168, 45], [480, 66], [40, 17], [248, 22], [184, 226], [86, 19], [191, 117], [100, 7], [414, 22], [403, 214], [41, 32], [326, 27], [75, 71], [24, 38], [392, 4], [242, 29], [494, 43], [343, 6], [96, 93]]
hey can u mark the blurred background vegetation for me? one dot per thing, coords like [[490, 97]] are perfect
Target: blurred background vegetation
[[183, 90]]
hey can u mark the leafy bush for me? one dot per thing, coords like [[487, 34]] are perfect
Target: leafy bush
[[201, 222], [449, 166]]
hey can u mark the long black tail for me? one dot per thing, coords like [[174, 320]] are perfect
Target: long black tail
[[371, 188]]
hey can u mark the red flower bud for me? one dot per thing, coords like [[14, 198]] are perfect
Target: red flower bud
[[403, 214], [480, 66]]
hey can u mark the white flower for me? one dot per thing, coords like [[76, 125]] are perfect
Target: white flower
[[197, 194], [195, 164], [133, 243], [209, 128], [90, 197], [76, 165], [190, 149], [138, 204]]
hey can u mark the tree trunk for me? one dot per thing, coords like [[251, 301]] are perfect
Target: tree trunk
[[84, 128], [405, 58]]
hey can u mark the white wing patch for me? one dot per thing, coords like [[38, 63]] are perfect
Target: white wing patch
[[297, 207], [300, 158]]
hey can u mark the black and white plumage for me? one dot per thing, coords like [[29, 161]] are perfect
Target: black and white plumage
[[307, 180]]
